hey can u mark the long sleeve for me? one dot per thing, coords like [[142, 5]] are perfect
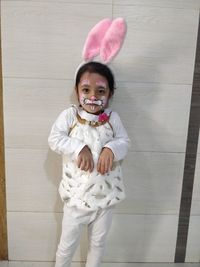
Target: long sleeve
[[121, 142], [58, 140]]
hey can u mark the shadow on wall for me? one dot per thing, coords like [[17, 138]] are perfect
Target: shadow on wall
[[53, 169]]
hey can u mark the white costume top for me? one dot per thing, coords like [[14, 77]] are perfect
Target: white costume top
[[73, 130]]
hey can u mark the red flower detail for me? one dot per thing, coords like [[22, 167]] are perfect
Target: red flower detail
[[103, 117]]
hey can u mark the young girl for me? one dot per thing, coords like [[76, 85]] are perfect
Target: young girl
[[93, 142]]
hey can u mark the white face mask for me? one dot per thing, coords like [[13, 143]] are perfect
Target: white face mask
[[93, 92], [101, 101]]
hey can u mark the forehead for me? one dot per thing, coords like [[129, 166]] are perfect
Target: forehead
[[93, 78]]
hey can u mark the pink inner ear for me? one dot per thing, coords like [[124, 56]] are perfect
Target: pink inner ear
[[93, 41], [113, 40]]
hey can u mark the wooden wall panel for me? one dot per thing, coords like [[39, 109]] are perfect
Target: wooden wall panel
[[44, 49], [195, 208], [190, 161], [193, 242], [42, 43], [159, 120], [133, 238], [32, 184], [174, 4], [47, 42], [157, 40], [81, 264], [28, 116], [3, 221]]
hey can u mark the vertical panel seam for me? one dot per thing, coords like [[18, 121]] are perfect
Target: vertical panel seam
[[3, 219], [190, 161]]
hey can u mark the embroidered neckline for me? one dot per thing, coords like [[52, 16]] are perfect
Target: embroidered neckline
[[103, 118]]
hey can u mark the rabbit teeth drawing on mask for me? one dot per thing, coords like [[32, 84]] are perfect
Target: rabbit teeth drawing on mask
[[98, 102]]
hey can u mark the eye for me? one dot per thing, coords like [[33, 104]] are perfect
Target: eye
[[85, 90], [101, 91]]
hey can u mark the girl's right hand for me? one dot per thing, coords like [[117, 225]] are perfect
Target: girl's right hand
[[85, 160]]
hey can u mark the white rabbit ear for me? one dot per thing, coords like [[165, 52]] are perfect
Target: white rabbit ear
[[93, 41], [113, 40]]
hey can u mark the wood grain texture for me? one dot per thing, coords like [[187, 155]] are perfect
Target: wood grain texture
[[48, 39], [158, 123], [104, 264], [190, 161], [43, 47], [157, 39], [133, 238], [148, 178], [3, 223], [182, 4], [62, 2], [42, 43], [195, 208], [193, 241]]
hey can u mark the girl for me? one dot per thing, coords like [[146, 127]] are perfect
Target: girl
[[93, 142]]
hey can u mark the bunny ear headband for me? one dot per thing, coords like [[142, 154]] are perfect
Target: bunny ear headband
[[105, 39]]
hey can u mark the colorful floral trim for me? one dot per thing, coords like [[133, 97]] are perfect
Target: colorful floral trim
[[103, 117]]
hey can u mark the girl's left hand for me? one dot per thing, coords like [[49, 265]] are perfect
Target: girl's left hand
[[105, 161]]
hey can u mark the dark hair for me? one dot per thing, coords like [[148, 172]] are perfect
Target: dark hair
[[96, 67]]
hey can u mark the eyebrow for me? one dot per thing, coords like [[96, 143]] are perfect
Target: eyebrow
[[101, 83], [85, 82]]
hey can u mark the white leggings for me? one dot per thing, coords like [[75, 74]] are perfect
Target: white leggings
[[98, 223]]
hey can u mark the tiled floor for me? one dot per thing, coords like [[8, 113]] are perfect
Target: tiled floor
[[51, 264]]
